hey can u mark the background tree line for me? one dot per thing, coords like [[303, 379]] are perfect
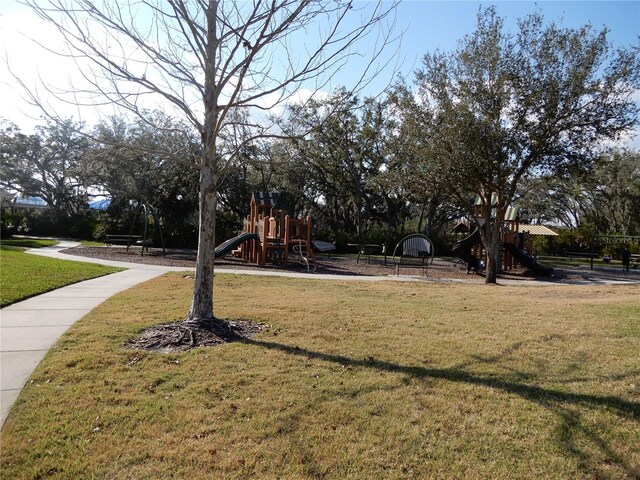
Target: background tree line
[[357, 174]]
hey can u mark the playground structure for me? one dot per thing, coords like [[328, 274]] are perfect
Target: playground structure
[[515, 246], [269, 235]]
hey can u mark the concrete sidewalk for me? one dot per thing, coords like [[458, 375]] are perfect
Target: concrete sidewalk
[[29, 328]]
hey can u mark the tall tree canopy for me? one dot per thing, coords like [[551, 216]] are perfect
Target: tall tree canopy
[[502, 107], [605, 198], [45, 164], [345, 152], [135, 162]]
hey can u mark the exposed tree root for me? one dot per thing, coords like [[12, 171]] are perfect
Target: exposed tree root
[[188, 334]]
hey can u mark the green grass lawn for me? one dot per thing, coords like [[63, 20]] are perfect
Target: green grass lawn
[[23, 243], [383, 380], [91, 243], [24, 275], [553, 261]]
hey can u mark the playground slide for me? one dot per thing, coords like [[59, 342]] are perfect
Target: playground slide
[[228, 245], [462, 249], [527, 260]]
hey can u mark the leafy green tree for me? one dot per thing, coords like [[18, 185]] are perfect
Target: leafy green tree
[[502, 107], [606, 196], [45, 164], [612, 193], [410, 171], [345, 151], [553, 199]]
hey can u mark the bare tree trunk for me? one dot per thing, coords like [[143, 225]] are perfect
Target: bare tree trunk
[[491, 246], [421, 217], [492, 235], [431, 214], [201, 310]]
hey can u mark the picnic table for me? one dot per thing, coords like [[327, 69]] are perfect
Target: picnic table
[[581, 255], [369, 249]]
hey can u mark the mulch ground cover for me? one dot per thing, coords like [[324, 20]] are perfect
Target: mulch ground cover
[[440, 270]]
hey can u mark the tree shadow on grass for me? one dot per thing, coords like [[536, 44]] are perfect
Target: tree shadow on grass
[[572, 427]]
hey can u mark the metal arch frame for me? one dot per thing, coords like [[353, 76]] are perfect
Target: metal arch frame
[[148, 210]]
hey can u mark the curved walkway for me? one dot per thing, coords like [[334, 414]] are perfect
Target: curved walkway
[[28, 329]]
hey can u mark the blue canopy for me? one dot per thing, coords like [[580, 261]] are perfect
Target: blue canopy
[[100, 204]]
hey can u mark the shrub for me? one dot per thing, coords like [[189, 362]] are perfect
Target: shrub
[[99, 232], [49, 223]]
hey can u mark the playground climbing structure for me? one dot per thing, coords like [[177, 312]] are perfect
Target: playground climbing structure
[[515, 244], [278, 238]]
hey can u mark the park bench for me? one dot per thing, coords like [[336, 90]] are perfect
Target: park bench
[[588, 255], [634, 260], [323, 247], [413, 251], [123, 239], [368, 249]]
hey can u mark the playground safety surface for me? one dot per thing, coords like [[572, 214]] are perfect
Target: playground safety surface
[[441, 269]]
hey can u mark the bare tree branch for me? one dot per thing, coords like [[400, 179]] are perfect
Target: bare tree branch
[[219, 64]]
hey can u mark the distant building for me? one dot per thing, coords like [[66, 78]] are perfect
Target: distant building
[[17, 201], [100, 204]]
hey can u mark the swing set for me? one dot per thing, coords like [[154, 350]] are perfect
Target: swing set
[[145, 211]]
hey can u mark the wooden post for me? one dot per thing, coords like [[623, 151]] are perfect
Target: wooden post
[[308, 237], [287, 238], [264, 239], [507, 261], [272, 228]]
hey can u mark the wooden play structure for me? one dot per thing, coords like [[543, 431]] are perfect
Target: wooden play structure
[[515, 244], [280, 239], [510, 234]]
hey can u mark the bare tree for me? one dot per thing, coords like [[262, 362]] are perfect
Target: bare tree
[[208, 59]]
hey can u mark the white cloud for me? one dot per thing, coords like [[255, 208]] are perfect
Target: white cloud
[[303, 95]]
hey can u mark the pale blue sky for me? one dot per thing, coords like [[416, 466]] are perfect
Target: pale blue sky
[[440, 23], [427, 26], [431, 25]]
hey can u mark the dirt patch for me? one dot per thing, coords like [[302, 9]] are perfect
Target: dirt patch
[[334, 265], [442, 269]]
